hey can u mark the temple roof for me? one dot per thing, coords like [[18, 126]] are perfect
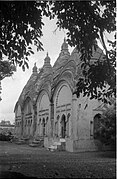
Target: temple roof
[[47, 72], [63, 56]]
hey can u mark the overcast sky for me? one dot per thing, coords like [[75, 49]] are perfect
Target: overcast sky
[[12, 86]]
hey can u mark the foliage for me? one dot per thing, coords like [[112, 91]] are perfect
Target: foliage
[[20, 26], [107, 130], [87, 21], [6, 69], [6, 136]]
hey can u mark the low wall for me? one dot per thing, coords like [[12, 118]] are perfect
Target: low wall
[[82, 145]]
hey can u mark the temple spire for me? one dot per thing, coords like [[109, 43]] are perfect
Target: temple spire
[[64, 48], [64, 45], [47, 60], [47, 64], [34, 69], [63, 56]]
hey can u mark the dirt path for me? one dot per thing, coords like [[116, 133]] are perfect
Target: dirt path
[[22, 161]]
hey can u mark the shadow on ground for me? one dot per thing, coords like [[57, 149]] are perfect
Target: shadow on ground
[[108, 154], [7, 174]]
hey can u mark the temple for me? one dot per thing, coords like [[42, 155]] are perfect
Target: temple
[[48, 109]]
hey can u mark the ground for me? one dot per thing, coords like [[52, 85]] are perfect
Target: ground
[[22, 161]]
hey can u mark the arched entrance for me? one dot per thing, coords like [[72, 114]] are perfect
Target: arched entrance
[[62, 104], [96, 125], [63, 126]]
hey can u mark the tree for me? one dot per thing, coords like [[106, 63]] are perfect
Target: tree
[[86, 21], [3, 122], [20, 27]]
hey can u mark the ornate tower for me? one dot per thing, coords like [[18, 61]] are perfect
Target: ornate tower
[[64, 49], [47, 66], [63, 56]]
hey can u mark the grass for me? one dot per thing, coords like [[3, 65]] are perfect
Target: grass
[[22, 161]]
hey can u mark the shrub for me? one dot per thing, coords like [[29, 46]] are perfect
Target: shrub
[[6, 136], [106, 133]]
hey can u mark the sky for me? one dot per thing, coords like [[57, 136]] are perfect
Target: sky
[[12, 86]]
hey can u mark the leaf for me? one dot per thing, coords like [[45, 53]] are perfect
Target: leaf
[[86, 106]]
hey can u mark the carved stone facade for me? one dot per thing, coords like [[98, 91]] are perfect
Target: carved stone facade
[[48, 108]]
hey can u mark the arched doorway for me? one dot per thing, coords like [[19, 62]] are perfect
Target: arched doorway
[[63, 126], [96, 124]]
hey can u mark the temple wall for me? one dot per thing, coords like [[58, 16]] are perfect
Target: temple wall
[[82, 135], [28, 117], [56, 112], [18, 126]]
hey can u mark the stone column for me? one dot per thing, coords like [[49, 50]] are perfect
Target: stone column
[[41, 129], [39, 132], [52, 119], [47, 126], [74, 117], [59, 128], [34, 119]]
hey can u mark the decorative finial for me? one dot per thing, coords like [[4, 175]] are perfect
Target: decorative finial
[[47, 58], [47, 64], [64, 40], [35, 68], [64, 47]]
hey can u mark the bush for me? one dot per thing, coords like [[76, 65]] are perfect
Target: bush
[[5, 136], [106, 133]]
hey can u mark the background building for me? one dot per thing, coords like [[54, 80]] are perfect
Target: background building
[[6, 127]]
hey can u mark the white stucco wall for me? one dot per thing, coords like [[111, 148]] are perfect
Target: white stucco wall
[[64, 95], [85, 115]]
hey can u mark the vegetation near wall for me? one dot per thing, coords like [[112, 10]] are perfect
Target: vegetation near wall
[[106, 133]]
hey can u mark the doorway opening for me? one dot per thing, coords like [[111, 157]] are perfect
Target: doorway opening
[[63, 126]]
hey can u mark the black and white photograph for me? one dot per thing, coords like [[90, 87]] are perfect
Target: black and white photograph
[[58, 89]]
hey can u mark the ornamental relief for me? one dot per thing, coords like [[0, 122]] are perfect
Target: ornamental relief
[[71, 66], [69, 79], [66, 76]]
